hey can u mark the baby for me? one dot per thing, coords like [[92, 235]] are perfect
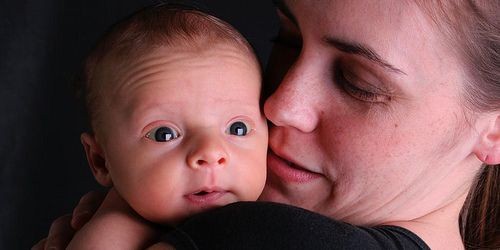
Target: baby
[[173, 99]]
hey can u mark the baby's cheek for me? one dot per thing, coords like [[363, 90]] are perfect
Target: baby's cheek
[[255, 180], [149, 198], [144, 189]]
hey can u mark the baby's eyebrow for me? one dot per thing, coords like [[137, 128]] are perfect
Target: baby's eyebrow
[[280, 4], [362, 50]]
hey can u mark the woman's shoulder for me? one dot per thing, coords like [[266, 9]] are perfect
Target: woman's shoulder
[[268, 225]]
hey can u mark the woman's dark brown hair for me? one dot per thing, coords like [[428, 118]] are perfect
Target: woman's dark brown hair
[[472, 30]]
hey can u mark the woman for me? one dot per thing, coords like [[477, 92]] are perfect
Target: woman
[[386, 114]]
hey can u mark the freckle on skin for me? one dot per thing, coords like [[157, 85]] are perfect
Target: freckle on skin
[[396, 125]]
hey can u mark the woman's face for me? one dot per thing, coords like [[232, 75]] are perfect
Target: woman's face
[[368, 121]]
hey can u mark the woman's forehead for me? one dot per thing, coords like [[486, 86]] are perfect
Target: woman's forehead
[[398, 32], [365, 10]]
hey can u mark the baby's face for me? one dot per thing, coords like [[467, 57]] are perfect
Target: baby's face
[[183, 132]]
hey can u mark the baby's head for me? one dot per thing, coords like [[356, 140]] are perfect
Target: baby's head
[[173, 99]]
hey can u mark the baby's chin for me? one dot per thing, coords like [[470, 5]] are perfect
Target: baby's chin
[[191, 209]]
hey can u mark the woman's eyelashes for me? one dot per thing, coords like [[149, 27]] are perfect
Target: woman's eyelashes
[[357, 88], [162, 134]]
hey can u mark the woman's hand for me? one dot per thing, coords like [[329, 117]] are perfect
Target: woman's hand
[[60, 234], [86, 208], [63, 228], [161, 246]]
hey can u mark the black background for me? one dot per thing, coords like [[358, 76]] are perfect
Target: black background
[[42, 43]]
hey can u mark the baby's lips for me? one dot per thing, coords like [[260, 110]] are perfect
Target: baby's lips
[[206, 195]]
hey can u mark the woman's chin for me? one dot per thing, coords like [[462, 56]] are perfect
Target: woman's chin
[[271, 193]]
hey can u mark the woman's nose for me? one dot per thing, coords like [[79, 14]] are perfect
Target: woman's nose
[[293, 102], [208, 151]]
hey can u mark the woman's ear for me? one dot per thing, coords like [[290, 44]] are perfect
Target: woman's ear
[[487, 149], [96, 159]]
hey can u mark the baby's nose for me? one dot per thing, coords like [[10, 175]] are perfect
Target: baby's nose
[[208, 152]]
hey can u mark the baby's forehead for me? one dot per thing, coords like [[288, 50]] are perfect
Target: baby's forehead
[[178, 60], [192, 51], [192, 80]]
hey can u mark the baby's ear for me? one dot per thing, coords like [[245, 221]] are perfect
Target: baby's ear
[[96, 159], [487, 149]]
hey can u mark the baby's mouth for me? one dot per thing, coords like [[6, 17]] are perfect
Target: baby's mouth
[[206, 196], [201, 193]]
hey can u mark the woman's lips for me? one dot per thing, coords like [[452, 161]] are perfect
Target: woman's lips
[[288, 171]]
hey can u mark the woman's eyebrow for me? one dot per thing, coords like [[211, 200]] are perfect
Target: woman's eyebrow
[[362, 50], [285, 10]]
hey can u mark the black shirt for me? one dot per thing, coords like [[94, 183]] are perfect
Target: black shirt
[[266, 225]]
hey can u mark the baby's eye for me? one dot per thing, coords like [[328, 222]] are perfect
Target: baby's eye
[[162, 134], [238, 129]]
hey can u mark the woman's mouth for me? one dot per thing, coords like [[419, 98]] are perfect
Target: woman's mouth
[[288, 171]]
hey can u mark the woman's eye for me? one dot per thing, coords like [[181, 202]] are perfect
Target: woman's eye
[[348, 83], [238, 129], [162, 134], [360, 93]]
